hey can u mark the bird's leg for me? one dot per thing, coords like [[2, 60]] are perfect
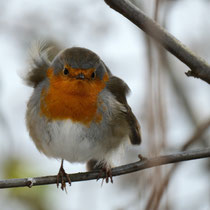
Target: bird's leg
[[61, 175]]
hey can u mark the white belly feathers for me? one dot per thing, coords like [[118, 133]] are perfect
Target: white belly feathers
[[68, 142]]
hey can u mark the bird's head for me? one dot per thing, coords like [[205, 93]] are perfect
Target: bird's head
[[77, 70]]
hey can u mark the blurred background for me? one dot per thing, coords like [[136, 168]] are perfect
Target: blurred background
[[170, 107]]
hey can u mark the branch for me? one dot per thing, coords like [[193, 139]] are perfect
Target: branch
[[199, 67], [125, 169]]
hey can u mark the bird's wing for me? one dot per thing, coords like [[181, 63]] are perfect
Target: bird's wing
[[120, 89]]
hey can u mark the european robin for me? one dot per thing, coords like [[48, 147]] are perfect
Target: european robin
[[78, 110]]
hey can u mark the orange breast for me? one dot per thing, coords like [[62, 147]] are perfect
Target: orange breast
[[71, 99]]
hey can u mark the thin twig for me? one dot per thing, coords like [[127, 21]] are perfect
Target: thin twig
[[125, 169], [199, 67]]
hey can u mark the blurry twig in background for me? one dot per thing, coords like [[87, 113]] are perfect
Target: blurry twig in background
[[157, 4], [177, 85], [155, 110], [125, 169], [159, 66], [197, 134], [199, 67], [159, 192]]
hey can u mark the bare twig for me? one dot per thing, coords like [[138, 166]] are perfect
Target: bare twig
[[199, 67], [125, 169]]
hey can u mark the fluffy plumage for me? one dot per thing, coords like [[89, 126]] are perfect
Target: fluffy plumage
[[71, 138], [38, 65]]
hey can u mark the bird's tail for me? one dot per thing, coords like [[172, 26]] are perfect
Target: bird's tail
[[38, 64]]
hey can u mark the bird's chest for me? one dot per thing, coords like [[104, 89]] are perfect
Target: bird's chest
[[79, 103]]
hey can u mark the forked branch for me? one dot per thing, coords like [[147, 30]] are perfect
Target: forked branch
[[199, 67]]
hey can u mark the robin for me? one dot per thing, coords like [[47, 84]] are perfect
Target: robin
[[78, 110]]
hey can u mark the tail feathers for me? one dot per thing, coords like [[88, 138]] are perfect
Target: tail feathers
[[135, 135], [135, 129], [38, 65]]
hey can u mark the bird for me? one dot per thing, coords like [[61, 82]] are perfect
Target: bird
[[78, 111]]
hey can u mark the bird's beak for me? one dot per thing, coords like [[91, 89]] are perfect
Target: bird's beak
[[80, 76]]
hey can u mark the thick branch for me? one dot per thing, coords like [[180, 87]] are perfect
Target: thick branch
[[125, 169], [199, 68]]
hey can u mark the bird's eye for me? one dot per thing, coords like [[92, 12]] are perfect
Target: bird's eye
[[65, 71], [93, 75]]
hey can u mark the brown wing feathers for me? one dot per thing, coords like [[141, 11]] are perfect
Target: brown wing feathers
[[120, 89]]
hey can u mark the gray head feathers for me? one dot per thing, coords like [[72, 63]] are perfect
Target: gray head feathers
[[76, 57], [79, 58]]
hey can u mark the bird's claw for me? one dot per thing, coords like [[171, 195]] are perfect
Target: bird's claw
[[108, 172], [61, 178]]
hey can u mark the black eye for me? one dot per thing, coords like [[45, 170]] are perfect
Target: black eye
[[65, 71], [93, 75]]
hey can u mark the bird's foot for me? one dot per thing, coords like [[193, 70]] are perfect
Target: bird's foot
[[63, 177], [108, 174]]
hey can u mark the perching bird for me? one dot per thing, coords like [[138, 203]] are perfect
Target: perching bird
[[78, 110]]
